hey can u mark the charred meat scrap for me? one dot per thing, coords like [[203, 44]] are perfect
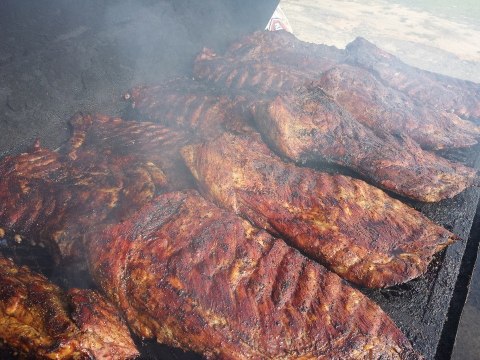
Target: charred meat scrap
[[199, 278], [306, 126], [38, 320], [355, 229], [443, 92]]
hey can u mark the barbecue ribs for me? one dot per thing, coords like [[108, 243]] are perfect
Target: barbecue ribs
[[197, 277], [282, 47], [381, 107], [108, 169], [442, 92], [305, 125], [35, 319], [192, 106], [353, 228]]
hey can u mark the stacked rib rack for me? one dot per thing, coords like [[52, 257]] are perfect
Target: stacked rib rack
[[208, 223]]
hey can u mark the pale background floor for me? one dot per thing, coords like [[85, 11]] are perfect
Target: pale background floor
[[436, 35]]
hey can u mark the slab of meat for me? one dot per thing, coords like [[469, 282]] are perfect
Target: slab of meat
[[260, 76], [267, 61], [190, 105], [305, 125], [108, 169], [282, 47], [153, 144], [442, 92], [36, 320], [366, 98], [381, 107], [197, 277], [353, 228]]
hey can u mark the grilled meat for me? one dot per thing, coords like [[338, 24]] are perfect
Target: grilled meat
[[155, 145], [442, 92], [353, 228], [381, 107], [262, 76], [305, 125], [258, 63], [197, 277], [281, 47], [267, 62], [108, 169], [35, 319], [190, 105]]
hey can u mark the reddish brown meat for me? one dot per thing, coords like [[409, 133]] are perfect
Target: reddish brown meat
[[442, 92], [249, 66], [190, 105], [266, 62], [282, 47], [260, 76], [305, 125], [199, 278], [35, 319], [153, 144], [110, 169], [357, 230], [383, 108]]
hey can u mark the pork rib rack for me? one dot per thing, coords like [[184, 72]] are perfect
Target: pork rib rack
[[306, 126], [197, 277], [108, 169], [36, 320], [357, 230], [257, 63], [442, 92]]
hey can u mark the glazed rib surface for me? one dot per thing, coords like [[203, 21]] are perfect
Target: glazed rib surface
[[443, 92], [36, 320], [199, 278], [353, 228], [305, 125], [383, 108], [108, 170]]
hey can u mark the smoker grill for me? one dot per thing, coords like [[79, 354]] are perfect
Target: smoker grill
[[58, 56]]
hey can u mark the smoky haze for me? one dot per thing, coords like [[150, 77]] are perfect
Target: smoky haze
[[62, 56]]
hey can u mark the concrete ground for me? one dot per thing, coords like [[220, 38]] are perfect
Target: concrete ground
[[440, 36]]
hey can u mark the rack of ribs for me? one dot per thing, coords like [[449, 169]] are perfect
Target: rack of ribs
[[199, 278], [305, 125], [249, 66], [282, 47], [439, 91], [355, 229], [191, 106], [383, 108], [38, 320], [107, 170]]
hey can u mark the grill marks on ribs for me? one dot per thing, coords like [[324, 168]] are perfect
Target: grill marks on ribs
[[442, 92], [199, 278], [353, 228], [380, 107], [35, 319], [305, 125]]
